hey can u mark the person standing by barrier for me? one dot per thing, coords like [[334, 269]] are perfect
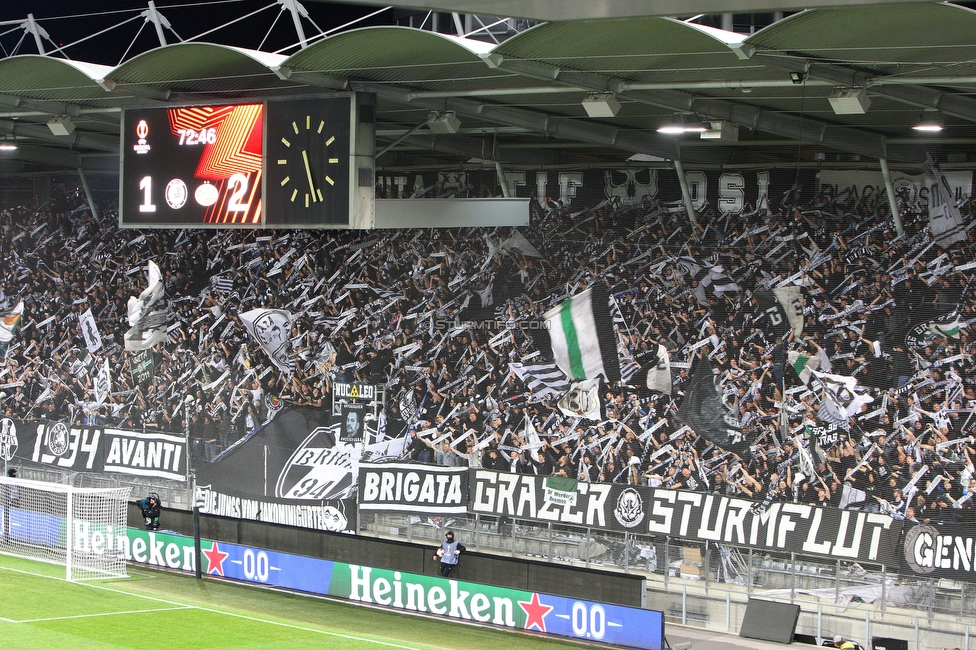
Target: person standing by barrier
[[843, 644], [449, 553]]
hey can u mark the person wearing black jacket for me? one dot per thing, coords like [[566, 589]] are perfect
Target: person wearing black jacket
[[449, 553], [150, 511]]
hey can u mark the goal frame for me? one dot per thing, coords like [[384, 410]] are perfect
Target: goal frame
[[111, 517]]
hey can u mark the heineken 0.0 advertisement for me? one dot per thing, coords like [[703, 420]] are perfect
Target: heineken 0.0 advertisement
[[512, 608]]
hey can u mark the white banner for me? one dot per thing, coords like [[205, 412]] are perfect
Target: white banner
[[89, 329]]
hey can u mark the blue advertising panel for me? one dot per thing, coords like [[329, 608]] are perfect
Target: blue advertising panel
[[513, 608]]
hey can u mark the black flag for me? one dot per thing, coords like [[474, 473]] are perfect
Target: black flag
[[704, 411], [775, 319]]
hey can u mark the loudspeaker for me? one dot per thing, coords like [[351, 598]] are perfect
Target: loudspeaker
[[603, 105], [61, 126], [446, 123], [770, 621], [849, 101], [884, 643]]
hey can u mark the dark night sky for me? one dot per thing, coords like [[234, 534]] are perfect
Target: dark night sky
[[187, 18]]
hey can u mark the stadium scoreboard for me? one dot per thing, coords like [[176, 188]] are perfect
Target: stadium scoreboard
[[279, 163]]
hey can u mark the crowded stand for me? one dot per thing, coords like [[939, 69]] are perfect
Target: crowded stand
[[861, 399]]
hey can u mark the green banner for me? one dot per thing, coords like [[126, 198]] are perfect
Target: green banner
[[464, 600]]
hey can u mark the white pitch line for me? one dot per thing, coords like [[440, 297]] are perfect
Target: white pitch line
[[301, 628], [132, 611]]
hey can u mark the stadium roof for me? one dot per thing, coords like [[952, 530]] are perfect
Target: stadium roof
[[585, 9], [520, 102]]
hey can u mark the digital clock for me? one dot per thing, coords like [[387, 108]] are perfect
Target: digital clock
[[193, 137]]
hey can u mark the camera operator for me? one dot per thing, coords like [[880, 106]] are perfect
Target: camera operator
[[150, 510]]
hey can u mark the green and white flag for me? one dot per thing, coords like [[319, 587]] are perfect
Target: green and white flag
[[581, 336], [9, 324], [560, 491], [948, 329], [803, 365]]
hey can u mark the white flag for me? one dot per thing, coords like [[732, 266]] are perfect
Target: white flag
[[271, 328], [945, 219], [834, 382], [791, 299], [148, 325], [582, 400], [89, 329], [103, 383], [532, 440], [659, 376]]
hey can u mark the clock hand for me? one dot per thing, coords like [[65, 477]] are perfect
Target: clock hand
[[308, 175]]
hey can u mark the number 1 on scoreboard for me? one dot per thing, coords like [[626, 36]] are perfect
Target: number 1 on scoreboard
[[146, 186]]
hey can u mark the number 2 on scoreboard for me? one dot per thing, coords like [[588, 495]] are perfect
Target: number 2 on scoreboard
[[239, 183]]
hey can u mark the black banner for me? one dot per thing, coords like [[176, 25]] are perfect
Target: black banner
[[940, 551], [95, 449], [704, 411], [922, 330], [789, 527], [776, 319], [825, 436], [722, 191], [142, 366], [421, 489], [158, 455], [293, 470]]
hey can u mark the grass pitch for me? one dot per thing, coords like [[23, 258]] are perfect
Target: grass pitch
[[40, 610]]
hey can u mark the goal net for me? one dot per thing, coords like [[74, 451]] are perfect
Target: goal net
[[82, 529]]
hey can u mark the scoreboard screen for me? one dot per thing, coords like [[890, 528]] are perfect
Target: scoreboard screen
[[193, 165], [302, 162]]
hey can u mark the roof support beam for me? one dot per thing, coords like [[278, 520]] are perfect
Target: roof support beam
[[480, 148], [153, 16], [949, 103], [109, 116], [804, 129], [78, 139], [568, 128], [459, 145]]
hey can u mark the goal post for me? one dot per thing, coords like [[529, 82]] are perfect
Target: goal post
[[82, 529]]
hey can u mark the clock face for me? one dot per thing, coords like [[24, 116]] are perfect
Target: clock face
[[308, 162]]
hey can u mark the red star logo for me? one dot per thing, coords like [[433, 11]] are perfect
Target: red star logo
[[535, 613], [215, 560]]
